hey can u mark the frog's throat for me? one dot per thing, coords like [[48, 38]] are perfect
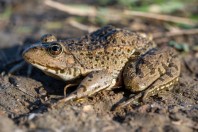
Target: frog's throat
[[65, 75]]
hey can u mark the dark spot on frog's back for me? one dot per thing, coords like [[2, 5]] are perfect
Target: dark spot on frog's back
[[164, 66], [175, 66], [90, 57], [90, 75], [128, 50], [161, 79], [175, 55], [100, 53], [131, 66], [169, 74], [160, 71], [123, 41], [96, 59], [107, 57], [135, 53], [152, 71]]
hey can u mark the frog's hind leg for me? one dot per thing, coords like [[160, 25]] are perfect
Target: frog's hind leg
[[155, 71], [166, 81]]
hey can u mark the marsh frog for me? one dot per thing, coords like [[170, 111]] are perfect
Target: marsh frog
[[106, 59]]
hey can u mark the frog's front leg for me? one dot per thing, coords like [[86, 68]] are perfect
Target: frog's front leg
[[156, 70], [92, 83]]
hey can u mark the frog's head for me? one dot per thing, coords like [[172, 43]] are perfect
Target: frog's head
[[51, 56]]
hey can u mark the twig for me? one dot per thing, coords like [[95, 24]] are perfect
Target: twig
[[115, 15], [164, 37], [180, 32], [89, 11], [81, 26], [167, 18]]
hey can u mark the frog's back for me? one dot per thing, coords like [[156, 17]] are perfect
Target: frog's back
[[107, 48]]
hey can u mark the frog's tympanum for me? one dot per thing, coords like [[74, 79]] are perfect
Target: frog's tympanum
[[105, 59]]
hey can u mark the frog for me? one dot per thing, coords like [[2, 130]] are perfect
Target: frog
[[105, 59]]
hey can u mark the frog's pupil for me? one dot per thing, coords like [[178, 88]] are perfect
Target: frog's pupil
[[55, 48]]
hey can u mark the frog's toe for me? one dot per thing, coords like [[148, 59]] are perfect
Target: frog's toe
[[67, 99], [145, 98], [132, 100]]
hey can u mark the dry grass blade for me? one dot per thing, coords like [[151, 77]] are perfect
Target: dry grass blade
[[167, 18], [177, 33], [115, 15], [164, 37], [81, 26], [90, 11]]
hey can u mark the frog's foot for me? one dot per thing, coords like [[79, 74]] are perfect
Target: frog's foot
[[133, 99], [165, 82], [91, 84]]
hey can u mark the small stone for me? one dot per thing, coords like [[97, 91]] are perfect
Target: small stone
[[42, 92], [174, 117], [13, 81], [32, 116], [2, 112]]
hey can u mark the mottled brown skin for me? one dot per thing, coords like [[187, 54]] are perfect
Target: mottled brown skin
[[104, 59]]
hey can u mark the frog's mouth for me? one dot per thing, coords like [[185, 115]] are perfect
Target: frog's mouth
[[55, 73]]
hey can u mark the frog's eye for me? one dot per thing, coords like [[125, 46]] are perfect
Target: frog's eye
[[48, 38], [55, 49]]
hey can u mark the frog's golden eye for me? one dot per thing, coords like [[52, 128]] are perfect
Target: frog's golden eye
[[55, 49]]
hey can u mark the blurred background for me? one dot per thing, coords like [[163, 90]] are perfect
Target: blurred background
[[22, 19]]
